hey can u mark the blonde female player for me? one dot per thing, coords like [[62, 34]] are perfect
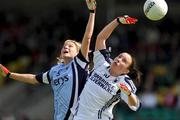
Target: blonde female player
[[110, 81], [67, 78]]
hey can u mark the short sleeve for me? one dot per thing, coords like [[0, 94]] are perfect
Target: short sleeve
[[100, 57], [43, 77]]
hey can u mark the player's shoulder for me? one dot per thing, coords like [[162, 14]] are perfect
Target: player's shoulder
[[101, 57], [103, 52], [128, 81], [123, 78], [57, 67]]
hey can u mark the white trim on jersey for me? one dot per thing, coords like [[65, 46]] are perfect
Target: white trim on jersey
[[76, 92], [80, 62], [45, 78]]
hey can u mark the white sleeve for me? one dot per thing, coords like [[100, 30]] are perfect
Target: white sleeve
[[100, 57], [125, 99], [129, 83]]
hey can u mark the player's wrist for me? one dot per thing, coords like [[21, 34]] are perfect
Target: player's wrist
[[122, 19], [91, 4], [125, 19], [8, 75], [118, 20], [92, 11], [129, 94]]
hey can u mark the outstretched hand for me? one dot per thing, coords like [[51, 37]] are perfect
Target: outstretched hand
[[4, 71], [91, 4], [126, 20], [124, 89]]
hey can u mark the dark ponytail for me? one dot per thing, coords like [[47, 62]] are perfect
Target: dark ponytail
[[134, 72]]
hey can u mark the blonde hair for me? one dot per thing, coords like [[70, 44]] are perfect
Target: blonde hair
[[78, 44], [78, 47]]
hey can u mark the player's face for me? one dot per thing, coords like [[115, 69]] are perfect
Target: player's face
[[121, 63], [69, 50]]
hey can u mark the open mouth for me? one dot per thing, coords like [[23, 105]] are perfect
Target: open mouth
[[65, 51]]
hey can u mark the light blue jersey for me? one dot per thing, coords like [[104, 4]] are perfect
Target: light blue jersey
[[67, 82]]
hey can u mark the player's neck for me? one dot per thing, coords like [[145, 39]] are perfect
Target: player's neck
[[113, 73], [67, 61]]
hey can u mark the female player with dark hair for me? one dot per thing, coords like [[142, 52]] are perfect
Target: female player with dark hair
[[69, 76], [110, 80]]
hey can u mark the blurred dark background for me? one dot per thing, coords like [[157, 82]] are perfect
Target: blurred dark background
[[33, 31]]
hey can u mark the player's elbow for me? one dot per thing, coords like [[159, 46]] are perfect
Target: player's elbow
[[87, 38], [135, 107], [101, 37]]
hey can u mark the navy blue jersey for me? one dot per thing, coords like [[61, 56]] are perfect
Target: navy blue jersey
[[67, 82]]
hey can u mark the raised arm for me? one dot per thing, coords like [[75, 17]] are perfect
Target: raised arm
[[91, 4], [108, 29], [27, 78]]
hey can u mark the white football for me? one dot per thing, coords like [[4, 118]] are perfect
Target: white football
[[155, 9]]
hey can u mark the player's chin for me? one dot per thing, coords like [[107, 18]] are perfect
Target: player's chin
[[65, 55], [68, 56]]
